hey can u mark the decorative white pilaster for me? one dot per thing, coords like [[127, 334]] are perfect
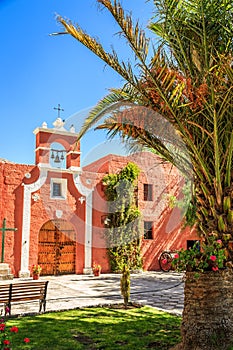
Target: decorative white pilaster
[[28, 190], [88, 224]]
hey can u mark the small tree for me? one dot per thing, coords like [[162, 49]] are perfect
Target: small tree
[[125, 285], [123, 232]]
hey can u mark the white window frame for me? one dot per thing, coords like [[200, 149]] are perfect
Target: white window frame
[[63, 183]]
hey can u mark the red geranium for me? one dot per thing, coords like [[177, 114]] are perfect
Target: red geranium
[[6, 342], [2, 327], [213, 257], [14, 329]]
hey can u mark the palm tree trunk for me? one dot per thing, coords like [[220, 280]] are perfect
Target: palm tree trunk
[[207, 322]]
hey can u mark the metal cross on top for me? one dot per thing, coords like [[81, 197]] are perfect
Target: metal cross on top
[[4, 229], [59, 109]]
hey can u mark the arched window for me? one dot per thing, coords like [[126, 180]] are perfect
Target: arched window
[[57, 156]]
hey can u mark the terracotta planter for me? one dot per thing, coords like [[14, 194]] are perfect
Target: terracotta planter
[[35, 276], [96, 272], [207, 322]]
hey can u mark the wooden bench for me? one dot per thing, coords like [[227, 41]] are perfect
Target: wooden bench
[[23, 291]]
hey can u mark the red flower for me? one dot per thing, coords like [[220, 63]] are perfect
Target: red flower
[[6, 342], [26, 340], [213, 257], [2, 327], [14, 329], [176, 256], [164, 261], [215, 268]]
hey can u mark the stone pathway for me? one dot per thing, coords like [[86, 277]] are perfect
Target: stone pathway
[[157, 289]]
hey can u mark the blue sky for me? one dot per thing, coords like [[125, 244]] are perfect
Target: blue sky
[[38, 71]]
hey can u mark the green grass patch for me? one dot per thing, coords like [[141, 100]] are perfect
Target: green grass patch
[[99, 328]]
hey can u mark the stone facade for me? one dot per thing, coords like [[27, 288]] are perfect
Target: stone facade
[[32, 195]]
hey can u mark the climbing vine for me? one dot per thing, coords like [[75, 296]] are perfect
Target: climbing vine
[[123, 230]]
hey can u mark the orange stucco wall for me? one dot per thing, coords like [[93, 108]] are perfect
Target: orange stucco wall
[[168, 233], [11, 190], [167, 222]]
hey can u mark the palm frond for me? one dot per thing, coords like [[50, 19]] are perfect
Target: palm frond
[[194, 30], [112, 103], [229, 163], [134, 35], [111, 59]]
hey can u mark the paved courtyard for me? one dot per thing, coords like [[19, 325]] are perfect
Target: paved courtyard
[[157, 289]]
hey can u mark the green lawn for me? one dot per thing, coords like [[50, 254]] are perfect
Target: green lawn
[[98, 328]]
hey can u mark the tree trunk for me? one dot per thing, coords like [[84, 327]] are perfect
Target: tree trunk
[[207, 322]]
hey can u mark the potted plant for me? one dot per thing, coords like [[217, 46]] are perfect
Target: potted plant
[[36, 270], [96, 269]]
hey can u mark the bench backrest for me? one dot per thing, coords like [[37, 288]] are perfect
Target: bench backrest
[[4, 293], [32, 290]]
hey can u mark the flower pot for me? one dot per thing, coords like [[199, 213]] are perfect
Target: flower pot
[[35, 276], [96, 272]]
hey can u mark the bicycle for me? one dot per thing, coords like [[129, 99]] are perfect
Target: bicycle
[[165, 260]]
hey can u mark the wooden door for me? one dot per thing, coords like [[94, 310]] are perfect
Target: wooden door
[[57, 248]]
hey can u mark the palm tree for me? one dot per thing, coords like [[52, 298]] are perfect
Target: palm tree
[[188, 80]]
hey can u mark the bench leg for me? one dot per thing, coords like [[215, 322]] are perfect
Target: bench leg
[[42, 304]]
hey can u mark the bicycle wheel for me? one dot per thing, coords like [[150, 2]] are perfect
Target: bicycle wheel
[[165, 261]]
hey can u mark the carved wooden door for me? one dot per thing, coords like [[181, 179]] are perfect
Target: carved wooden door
[[57, 248]]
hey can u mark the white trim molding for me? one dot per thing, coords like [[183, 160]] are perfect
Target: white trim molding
[[84, 191], [25, 245]]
